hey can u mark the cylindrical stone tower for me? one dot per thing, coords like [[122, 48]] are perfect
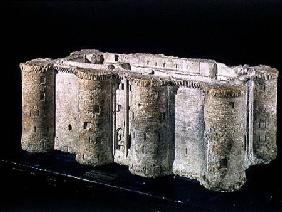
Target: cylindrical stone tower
[[152, 139], [225, 134], [265, 115], [38, 117], [95, 117]]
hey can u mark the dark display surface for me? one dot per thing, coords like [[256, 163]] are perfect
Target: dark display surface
[[41, 177]]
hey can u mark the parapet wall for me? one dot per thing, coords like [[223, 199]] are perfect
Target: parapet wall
[[67, 112], [205, 68], [189, 132]]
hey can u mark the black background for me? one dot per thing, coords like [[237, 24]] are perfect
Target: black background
[[232, 32]]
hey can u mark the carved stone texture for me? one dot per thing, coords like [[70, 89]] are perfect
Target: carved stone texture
[[156, 114]]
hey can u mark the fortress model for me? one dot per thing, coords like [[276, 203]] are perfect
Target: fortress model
[[156, 114]]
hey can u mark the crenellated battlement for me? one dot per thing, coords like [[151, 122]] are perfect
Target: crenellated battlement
[[146, 81], [65, 69], [39, 66], [94, 75], [225, 92], [190, 84]]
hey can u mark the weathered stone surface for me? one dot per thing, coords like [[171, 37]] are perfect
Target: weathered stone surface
[[265, 118], [152, 145], [225, 127], [38, 106], [95, 111], [67, 112], [157, 114], [190, 148]]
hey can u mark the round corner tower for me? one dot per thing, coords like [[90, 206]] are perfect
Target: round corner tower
[[152, 139], [265, 115], [95, 116], [38, 94], [225, 135]]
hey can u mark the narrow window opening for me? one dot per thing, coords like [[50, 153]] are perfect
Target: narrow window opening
[[255, 103], [96, 109], [163, 116], [156, 63], [163, 64], [86, 125], [186, 151], [245, 143], [143, 149], [116, 57], [122, 86], [159, 136], [129, 141], [232, 105], [119, 134], [262, 125], [118, 108], [42, 96], [69, 127], [42, 80], [34, 129], [129, 87], [262, 138], [148, 62], [223, 163]]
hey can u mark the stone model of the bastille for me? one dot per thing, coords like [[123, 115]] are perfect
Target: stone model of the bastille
[[159, 115]]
